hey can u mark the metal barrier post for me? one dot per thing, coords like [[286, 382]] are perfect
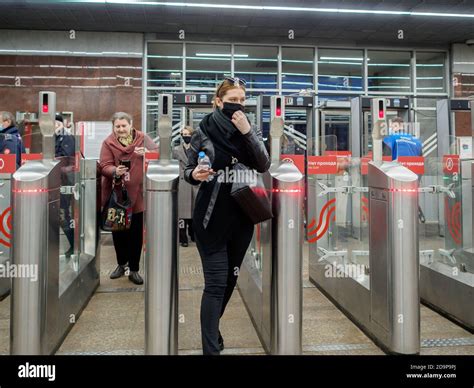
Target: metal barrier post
[[161, 220], [287, 243], [394, 256]]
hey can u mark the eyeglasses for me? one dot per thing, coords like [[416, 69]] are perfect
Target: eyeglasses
[[236, 81]]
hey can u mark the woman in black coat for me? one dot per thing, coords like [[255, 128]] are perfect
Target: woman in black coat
[[222, 230]]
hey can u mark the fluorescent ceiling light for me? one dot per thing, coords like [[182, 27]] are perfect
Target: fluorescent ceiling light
[[279, 8], [221, 55], [342, 59]]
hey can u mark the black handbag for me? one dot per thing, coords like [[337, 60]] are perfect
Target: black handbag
[[117, 214], [252, 198]]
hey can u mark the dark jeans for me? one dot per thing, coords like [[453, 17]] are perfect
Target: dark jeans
[[128, 244], [221, 269], [65, 202], [185, 227]]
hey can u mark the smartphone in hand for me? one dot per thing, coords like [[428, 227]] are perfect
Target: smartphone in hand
[[126, 163]]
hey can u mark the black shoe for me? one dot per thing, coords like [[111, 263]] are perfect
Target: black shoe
[[69, 252], [134, 277], [119, 272], [220, 340], [185, 244]]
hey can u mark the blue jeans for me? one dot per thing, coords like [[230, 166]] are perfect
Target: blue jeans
[[221, 269]]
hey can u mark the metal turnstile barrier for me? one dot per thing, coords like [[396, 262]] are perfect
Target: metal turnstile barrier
[[45, 302], [381, 296], [272, 292], [161, 220], [394, 257]]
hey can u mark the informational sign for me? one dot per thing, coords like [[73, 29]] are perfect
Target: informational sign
[[451, 164], [465, 147], [297, 160], [93, 134], [150, 156], [413, 163], [320, 165], [26, 157], [7, 163]]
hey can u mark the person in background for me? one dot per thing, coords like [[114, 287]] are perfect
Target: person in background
[[121, 162], [400, 143], [187, 192], [10, 139], [65, 146]]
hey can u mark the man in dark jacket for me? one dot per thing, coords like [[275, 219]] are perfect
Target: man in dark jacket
[[10, 139], [64, 150]]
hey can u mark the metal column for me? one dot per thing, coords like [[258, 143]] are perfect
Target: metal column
[[394, 256], [161, 220], [287, 243]]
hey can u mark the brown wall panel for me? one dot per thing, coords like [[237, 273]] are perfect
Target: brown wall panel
[[93, 88]]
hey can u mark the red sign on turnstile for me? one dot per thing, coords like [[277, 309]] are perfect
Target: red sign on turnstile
[[338, 153], [320, 165], [451, 164], [297, 160], [7, 163], [150, 156], [413, 163], [26, 157]]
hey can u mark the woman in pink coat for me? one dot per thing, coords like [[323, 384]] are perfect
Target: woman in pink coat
[[121, 160]]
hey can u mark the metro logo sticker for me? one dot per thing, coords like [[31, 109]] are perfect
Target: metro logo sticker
[[320, 165], [413, 163], [297, 160], [451, 164]]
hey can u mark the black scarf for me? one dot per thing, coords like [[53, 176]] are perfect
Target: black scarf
[[220, 130]]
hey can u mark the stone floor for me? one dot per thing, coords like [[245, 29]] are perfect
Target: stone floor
[[113, 321]]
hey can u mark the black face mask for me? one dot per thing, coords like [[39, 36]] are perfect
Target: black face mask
[[186, 139], [230, 108]]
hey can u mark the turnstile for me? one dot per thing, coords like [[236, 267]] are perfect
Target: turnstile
[[270, 279], [447, 272], [381, 294], [46, 300]]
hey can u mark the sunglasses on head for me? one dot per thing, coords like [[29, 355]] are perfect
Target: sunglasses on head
[[236, 81]]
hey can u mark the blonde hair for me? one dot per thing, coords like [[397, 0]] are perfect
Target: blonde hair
[[223, 88], [188, 128]]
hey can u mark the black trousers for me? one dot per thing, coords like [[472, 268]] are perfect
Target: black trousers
[[65, 201], [221, 269], [185, 227], [128, 244]]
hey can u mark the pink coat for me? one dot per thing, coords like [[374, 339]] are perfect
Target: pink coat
[[110, 155]]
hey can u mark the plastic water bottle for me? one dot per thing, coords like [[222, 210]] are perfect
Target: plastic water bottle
[[204, 163]]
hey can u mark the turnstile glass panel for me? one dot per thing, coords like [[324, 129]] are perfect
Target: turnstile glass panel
[[336, 123], [448, 241], [295, 136], [338, 230], [68, 155]]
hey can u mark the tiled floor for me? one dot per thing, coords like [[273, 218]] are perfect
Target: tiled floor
[[113, 321]]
